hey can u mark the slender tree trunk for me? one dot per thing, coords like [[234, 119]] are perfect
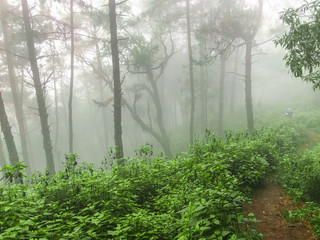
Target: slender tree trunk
[[3, 159], [42, 108], [116, 80], [104, 117], [165, 142], [221, 92], [15, 92], [71, 80], [192, 102], [248, 92], [22, 91], [233, 86], [204, 97], [6, 129], [56, 110]]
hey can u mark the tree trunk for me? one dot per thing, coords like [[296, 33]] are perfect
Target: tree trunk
[[15, 92], [221, 92], [71, 80], [157, 102], [42, 108], [56, 108], [248, 93], [116, 80], [102, 96], [6, 129], [192, 101], [204, 88], [233, 86], [3, 159], [22, 91]]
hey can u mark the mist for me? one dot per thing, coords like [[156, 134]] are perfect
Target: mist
[[154, 71]]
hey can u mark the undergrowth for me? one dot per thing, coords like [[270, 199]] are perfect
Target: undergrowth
[[299, 174], [196, 195]]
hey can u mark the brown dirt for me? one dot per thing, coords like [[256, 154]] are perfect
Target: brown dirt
[[269, 203]]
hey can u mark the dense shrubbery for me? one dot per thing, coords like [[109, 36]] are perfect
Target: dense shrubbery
[[197, 195], [299, 174]]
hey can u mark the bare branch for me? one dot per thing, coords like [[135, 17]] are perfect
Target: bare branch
[[14, 54]]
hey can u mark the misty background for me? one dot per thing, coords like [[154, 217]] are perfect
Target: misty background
[[149, 35]]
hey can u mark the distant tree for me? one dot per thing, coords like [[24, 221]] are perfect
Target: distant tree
[[8, 137], [243, 22], [116, 79], [302, 41], [71, 79], [149, 58], [3, 159], [223, 59], [42, 108], [192, 91], [5, 17], [220, 44]]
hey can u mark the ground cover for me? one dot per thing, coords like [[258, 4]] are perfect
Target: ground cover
[[196, 195]]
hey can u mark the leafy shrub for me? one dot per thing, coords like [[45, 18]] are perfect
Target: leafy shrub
[[197, 195], [301, 174]]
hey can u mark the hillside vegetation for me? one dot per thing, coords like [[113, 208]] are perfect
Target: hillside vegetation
[[195, 195]]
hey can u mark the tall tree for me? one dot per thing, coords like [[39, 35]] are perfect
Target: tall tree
[[116, 79], [234, 79], [42, 108], [6, 129], [144, 60], [192, 92], [223, 59], [243, 22], [71, 79], [13, 82], [3, 159]]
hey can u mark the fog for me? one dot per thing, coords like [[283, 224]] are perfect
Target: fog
[[152, 39]]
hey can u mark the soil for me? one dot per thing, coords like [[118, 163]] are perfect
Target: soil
[[269, 203]]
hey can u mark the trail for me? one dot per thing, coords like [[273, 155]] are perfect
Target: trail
[[269, 203]]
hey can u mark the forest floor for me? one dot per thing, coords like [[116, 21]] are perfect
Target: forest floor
[[269, 203]]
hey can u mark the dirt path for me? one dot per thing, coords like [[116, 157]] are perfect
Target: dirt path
[[269, 203]]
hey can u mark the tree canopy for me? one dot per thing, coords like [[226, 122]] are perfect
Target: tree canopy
[[302, 41]]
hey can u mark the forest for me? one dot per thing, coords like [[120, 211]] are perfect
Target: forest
[[159, 119]]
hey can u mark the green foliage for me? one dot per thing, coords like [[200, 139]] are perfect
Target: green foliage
[[302, 41], [14, 172], [310, 211], [197, 195], [300, 173], [142, 52]]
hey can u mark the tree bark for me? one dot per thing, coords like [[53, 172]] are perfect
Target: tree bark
[[192, 94], [104, 116], [248, 92], [42, 108], [165, 143], [6, 129], [233, 86], [116, 80], [221, 92], [56, 108], [71, 80], [3, 159], [15, 91]]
